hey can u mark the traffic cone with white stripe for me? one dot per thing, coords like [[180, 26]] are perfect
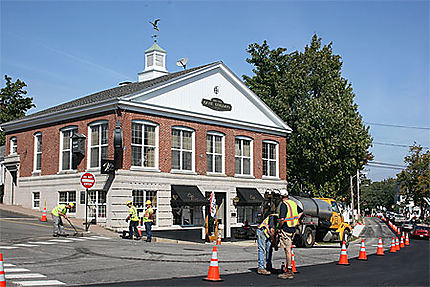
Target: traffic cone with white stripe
[[218, 241], [362, 255], [380, 250], [402, 243], [293, 261], [393, 246], [213, 273], [2, 277], [43, 218], [397, 244], [343, 259], [139, 230], [407, 240]]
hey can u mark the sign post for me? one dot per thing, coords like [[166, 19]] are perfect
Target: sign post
[[87, 181]]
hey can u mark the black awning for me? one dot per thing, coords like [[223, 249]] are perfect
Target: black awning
[[249, 196], [189, 195]]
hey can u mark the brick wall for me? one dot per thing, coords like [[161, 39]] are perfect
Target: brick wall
[[51, 144]]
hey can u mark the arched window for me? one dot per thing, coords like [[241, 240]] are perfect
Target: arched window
[[183, 146], [37, 161], [13, 145], [97, 143], [270, 158], [67, 159], [215, 152], [144, 144], [243, 156]]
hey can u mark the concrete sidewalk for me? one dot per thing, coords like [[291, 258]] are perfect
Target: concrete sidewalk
[[78, 223]]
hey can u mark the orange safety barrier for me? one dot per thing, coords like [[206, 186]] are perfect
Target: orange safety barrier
[[213, 272], [343, 259], [362, 255]]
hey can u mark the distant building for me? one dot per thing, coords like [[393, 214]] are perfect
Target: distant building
[[173, 137]]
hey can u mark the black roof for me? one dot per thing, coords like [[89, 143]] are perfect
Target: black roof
[[115, 92]]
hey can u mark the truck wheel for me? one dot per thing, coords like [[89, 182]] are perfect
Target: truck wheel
[[308, 238], [346, 237]]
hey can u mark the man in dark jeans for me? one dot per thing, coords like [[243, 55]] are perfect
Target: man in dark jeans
[[134, 221], [148, 219]]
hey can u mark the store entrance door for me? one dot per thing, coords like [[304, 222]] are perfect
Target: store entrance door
[[216, 224]]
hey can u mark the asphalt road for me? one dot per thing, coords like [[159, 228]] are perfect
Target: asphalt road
[[26, 243]]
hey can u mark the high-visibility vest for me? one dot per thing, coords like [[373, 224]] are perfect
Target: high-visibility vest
[[292, 217], [265, 224], [133, 213], [148, 215], [59, 208]]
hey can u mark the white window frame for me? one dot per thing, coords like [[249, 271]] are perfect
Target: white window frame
[[37, 136], [34, 200], [66, 129], [251, 154], [213, 134], [68, 199], [13, 145], [99, 145], [156, 146], [271, 142], [141, 208], [193, 150], [96, 204]]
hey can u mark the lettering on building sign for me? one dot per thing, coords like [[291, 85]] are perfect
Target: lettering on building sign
[[216, 104]]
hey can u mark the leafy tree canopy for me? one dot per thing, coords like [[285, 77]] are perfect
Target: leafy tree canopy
[[415, 179], [379, 193], [12, 103], [329, 141]]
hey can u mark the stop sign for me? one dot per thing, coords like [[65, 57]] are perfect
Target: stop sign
[[88, 180]]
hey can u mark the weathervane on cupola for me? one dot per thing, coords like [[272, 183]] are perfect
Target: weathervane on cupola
[[155, 58]]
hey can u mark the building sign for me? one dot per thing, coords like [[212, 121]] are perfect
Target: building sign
[[216, 104], [108, 166]]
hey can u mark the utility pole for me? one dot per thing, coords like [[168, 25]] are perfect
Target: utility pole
[[352, 199], [358, 193]]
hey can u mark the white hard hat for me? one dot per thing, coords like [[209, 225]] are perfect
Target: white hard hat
[[283, 192]]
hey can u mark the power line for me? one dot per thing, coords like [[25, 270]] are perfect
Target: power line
[[388, 167], [387, 164], [397, 126], [399, 145]]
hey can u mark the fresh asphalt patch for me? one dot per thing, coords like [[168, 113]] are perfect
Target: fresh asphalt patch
[[407, 267]]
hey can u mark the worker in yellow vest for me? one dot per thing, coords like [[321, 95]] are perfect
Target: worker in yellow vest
[[265, 234], [148, 220], [289, 215], [134, 221], [57, 213]]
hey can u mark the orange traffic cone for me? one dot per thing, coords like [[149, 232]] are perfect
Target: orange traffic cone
[[393, 246], [139, 230], [213, 273], [397, 244], [402, 243], [362, 255], [343, 260], [380, 250], [43, 215], [2, 277], [218, 241], [407, 240], [293, 261]]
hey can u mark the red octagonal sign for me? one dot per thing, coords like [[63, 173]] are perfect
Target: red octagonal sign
[[88, 180]]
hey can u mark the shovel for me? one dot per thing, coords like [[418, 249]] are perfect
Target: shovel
[[78, 234]]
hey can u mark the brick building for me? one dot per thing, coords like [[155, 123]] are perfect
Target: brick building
[[174, 138]]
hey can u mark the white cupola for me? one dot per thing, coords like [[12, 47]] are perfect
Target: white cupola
[[155, 63]]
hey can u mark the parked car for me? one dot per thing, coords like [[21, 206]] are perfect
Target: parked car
[[421, 231]]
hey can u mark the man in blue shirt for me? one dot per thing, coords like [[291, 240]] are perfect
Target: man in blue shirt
[[265, 233]]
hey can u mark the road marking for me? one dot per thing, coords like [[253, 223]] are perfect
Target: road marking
[[60, 240], [8, 247], [39, 283], [76, 239], [11, 270], [42, 242], [24, 276], [25, 245], [102, 237], [92, 238], [9, 265]]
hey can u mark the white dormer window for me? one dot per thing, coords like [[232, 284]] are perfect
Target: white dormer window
[[37, 152], [13, 145]]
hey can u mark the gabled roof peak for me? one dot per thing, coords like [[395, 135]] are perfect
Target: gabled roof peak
[[155, 47]]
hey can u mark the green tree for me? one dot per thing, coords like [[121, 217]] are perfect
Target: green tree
[[378, 193], [415, 179], [329, 141], [12, 103]]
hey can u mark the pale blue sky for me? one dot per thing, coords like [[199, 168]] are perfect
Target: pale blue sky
[[68, 49]]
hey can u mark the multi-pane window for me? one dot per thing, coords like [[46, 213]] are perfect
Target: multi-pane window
[[182, 149], [243, 156], [67, 160], [149, 60], [159, 60], [247, 214], [188, 215], [98, 144], [215, 153], [144, 145], [97, 203], [36, 199], [13, 145], [270, 159], [37, 152], [139, 199], [65, 197]]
